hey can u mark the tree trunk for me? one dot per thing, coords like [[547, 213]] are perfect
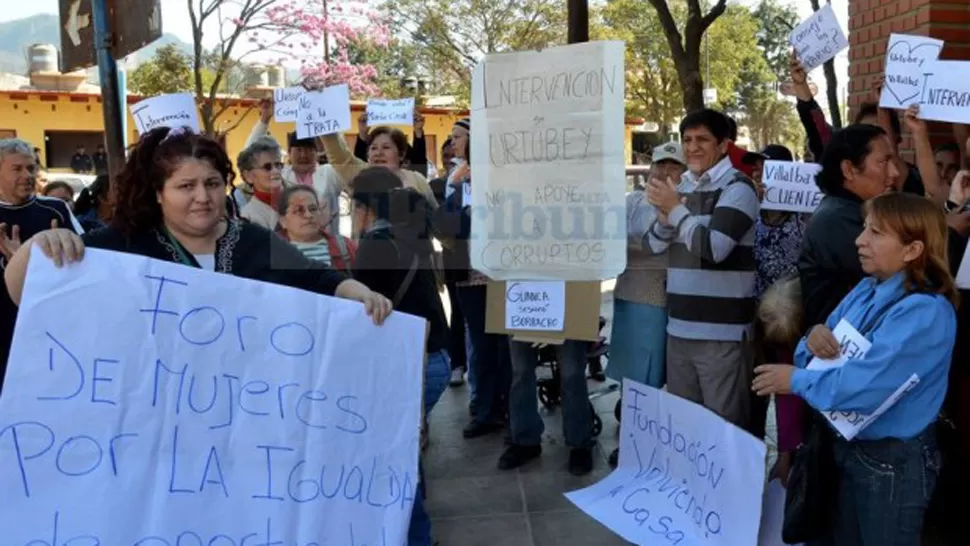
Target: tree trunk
[[831, 84], [691, 83]]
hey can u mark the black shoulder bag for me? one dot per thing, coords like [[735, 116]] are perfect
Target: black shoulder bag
[[813, 482]]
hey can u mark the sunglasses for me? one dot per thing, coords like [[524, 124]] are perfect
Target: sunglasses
[[270, 166]]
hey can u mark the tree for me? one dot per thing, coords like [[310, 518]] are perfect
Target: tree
[[168, 71], [831, 84], [653, 83], [393, 63], [685, 49], [451, 36], [776, 23]]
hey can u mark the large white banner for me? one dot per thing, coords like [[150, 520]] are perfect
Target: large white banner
[[547, 155], [686, 476], [151, 404]]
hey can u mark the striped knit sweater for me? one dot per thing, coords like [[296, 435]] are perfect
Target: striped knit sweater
[[710, 240]]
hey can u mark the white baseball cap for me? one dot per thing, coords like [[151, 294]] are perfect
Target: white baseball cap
[[669, 151]]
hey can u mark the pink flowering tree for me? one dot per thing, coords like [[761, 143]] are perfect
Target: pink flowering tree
[[227, 35], [317, 33]]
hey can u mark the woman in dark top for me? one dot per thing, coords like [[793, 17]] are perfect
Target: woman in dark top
[[395, 257], [857, 165], [171, 198]]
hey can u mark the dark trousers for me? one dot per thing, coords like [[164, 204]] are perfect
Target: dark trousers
[[491, 368], [456, 330]]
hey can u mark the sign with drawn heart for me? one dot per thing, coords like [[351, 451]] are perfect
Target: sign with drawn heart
[[905, 59]]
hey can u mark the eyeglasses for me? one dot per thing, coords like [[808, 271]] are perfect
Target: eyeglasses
[[303, 211], [270, 166]]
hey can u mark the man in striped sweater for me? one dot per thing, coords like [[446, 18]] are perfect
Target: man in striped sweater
[[707, 225]]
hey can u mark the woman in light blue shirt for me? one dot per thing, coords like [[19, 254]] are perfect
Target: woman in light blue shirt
[[906, 309]]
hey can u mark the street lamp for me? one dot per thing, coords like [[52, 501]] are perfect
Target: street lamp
[[577, 21]]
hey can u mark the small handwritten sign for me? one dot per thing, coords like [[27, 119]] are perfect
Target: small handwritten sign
[[946, 92], [818, 39], [854, 345], [286, 103], [791, 186], [323, 112], [685, 475], [535, 305], [390, 111], [184, 416], [905, 57], [175, 110]]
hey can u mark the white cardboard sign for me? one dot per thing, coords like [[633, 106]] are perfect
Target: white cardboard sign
[[390, 112], [548, 164], [946, 92], [818, 38], [286, 103], [854, 345], [187, 415], [539, 306], [323, 112], [905, 57], [790, 186], [685, 475], [174, 111]]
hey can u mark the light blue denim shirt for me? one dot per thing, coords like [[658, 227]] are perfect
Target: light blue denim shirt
[[915, 336]]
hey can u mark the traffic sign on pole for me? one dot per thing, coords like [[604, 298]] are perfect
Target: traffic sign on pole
[[142, 26]]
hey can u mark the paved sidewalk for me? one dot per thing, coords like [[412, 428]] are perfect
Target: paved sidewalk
[[473, 503]]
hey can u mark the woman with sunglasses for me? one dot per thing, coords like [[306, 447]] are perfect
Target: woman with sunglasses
[[261, 165]]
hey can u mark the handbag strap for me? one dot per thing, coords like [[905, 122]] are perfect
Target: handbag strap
[[880, 315], [401, 290]]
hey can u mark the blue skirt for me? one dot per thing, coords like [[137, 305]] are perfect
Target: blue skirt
[[638, 343]]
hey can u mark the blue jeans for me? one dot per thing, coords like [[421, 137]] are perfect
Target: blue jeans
[[524, 419], [489, 368], [884, 489], [436, 375]]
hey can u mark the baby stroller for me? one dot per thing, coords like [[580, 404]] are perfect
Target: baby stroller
[[549, 383]]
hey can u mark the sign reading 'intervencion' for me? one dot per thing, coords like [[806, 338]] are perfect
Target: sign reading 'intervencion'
[[548, 177], [187, 415], [685, 475], [173, 111], [946, 92], [791, 186]]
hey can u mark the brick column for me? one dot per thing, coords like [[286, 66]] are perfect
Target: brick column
[[872, 21]]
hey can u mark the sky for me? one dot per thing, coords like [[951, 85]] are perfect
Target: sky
[[175, 20]]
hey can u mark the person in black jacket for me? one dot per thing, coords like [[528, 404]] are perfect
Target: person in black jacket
[[394, 258], [857, 165]]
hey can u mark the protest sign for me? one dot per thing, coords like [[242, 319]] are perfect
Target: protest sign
[[818, 39], [854, 345], [186, 414], [323, 112], [286, 103], [548, 164], [535, 306], [176, 110], [946, 92], [905, 57], [390, 112], [685, 475], [791, 186]]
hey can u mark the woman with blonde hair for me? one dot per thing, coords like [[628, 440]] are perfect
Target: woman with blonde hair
[[886, 474]]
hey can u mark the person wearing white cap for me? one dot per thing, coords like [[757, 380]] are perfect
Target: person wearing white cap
[[639, 337]]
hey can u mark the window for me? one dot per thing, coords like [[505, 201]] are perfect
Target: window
[[8, 133], [61, 146]]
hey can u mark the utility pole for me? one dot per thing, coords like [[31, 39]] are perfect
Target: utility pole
[[326, 34], [112, 108], [577, 21]]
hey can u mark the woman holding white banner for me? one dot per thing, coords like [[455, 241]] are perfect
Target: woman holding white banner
[[171, 198], [889, 395]]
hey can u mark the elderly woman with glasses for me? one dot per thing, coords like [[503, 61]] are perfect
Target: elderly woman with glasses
[[261, 166]]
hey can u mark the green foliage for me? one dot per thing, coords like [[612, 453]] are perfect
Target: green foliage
[[449, 37], [776, 22], [169, 71], [393, 62]]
